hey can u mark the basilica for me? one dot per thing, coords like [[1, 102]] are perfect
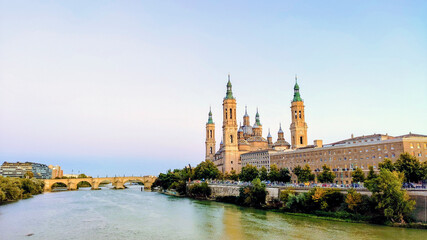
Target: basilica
[[248, 138]]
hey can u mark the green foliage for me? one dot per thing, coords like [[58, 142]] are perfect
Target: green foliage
[[390, 199], [411, 167], [199, 190], [29, 174], [387, 164], [253, 196], [206, 170], [358, 175], [315, 199], [234, 176], [274, 174], [12, 189], [304, 174], [371, 174], [285, 194], [179, 186], [82, 175], [284, 175], [326, 176], [248, 173], [263, 174], [353, 199], [297, 203]]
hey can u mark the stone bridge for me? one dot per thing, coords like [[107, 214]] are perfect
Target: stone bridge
[[117, 182]]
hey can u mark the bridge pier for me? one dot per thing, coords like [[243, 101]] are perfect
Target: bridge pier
[[72, 186], [119, 185]]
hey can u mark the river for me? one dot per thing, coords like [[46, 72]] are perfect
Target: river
[[132, 214]]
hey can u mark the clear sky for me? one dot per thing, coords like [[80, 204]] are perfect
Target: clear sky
[[124, 87]]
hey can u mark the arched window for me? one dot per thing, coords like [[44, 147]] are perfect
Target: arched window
[[300, 140], [299, 114], [210, 133], [295, 114], [211, 150], [231, 113], [226, 115], [231, 138]]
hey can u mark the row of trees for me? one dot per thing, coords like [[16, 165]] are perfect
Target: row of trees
[[250, 172], [413, 171], [388, 203], [12, 189]]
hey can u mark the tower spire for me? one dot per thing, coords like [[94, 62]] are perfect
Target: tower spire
[[210, 121], [229, 94], [257, 118], [297, 97]]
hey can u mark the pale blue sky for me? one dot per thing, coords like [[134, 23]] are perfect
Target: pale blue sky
[[124, 87]]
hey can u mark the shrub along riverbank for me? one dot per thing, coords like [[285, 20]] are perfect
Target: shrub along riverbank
[[389, 203], [12, 189]]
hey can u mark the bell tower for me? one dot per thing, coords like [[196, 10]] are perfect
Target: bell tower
[[210, 138], [298, 126], [229, 129]]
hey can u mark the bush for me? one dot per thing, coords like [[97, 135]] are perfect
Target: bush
[[253, 196], [179, 186], [199, 190]]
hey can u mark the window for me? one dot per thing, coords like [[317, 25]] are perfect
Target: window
[[393, 155], [300, 140], [211, 150], [231, 138], [231, 113], [295, 114], [226, 115], [299, 114], [210, 133], [418, 145], [412, 145]]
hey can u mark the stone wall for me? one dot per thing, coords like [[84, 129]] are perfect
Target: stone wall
[[223, 191]]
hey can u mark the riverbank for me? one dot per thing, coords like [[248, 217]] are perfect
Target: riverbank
[[14, 189]]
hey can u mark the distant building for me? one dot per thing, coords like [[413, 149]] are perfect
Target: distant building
[[19, 169], [258, 159], [56, 171], [70, 175], [345, 156]]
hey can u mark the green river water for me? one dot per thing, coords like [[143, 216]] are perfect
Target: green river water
[[132, 214]]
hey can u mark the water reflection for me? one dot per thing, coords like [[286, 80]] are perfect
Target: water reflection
[[132, 214]]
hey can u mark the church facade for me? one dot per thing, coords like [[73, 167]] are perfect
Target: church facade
[[248, 138]]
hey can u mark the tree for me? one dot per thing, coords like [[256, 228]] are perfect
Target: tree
[[263, 174], [273, 175], [371, 174], [206, 170], [82, 175], [387, 164], [234, 176], [393, 202], [29, 174], [248, 173], [358, 176], [253, 196], [353, 199], [284, 175], [410, 166], [304, 174], [326, 176]]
